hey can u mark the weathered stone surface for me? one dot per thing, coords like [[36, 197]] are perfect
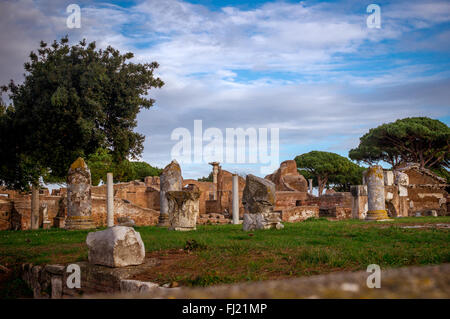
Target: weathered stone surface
[[299, 213], [57, 287], [397, 283], [259, 195], [136, 286], [117, 246], [259, 199], [44, 222], [359, 201], [79, 201], [287, 178], [402, 180], [262, 221], [126, 221], [183, 208], [375, 191], [170, 180]]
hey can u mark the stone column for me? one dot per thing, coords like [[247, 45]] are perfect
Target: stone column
[[235, 199], [310, 186], [109, 200], [170, 180], [183, 208], [258, 199], [375, 193], [34, 207], [215, 172], [79, 201]]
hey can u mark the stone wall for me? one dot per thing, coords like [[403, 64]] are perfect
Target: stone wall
[[6, 206], [142, 216], [338, 199], [299, 213]]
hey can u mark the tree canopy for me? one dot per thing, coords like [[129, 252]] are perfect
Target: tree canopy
[[73, 101], [208, 178], [327, 168], [418, 139], [101, 162]]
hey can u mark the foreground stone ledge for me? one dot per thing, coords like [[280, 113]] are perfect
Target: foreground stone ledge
[[50, 281], [406, 282]]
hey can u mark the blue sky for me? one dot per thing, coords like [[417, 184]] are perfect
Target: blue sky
[[312, 69]]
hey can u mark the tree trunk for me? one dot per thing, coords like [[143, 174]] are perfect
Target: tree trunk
[[34, 206]]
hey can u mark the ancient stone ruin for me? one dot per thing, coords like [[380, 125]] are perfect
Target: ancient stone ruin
[[117, 246], [375, 193], [183, 208], [408, 191], [79, 201], [170, 180], [259, 200]]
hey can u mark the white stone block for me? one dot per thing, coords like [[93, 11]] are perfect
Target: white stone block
[[117, 246]]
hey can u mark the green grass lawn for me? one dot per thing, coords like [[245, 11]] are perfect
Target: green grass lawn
[[225, 253]]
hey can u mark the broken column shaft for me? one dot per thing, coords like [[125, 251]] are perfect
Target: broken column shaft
[[375, 191]]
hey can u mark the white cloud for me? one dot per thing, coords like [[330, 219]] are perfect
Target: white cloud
[[202, 52]]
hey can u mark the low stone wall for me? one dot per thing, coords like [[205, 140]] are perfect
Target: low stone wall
[[50, 281], [337, 213], [423, 198], [213, 218], [287, 199], [16, 214], [338, 199], [299, 213], [141, 216]]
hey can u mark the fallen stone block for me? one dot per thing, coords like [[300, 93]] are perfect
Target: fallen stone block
[[117, 246]]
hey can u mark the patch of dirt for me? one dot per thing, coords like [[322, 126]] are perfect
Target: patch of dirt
[[180, 267]]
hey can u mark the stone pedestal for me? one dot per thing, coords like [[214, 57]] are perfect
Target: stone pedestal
[[44, 222], [259, 199], [79, 202], [183, 208], [359, 201], [375, 193], [170, 180]]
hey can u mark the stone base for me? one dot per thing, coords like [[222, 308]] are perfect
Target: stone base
[[79, 222], [262, 221], [46, 224], [377, 214], [163, 220]]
